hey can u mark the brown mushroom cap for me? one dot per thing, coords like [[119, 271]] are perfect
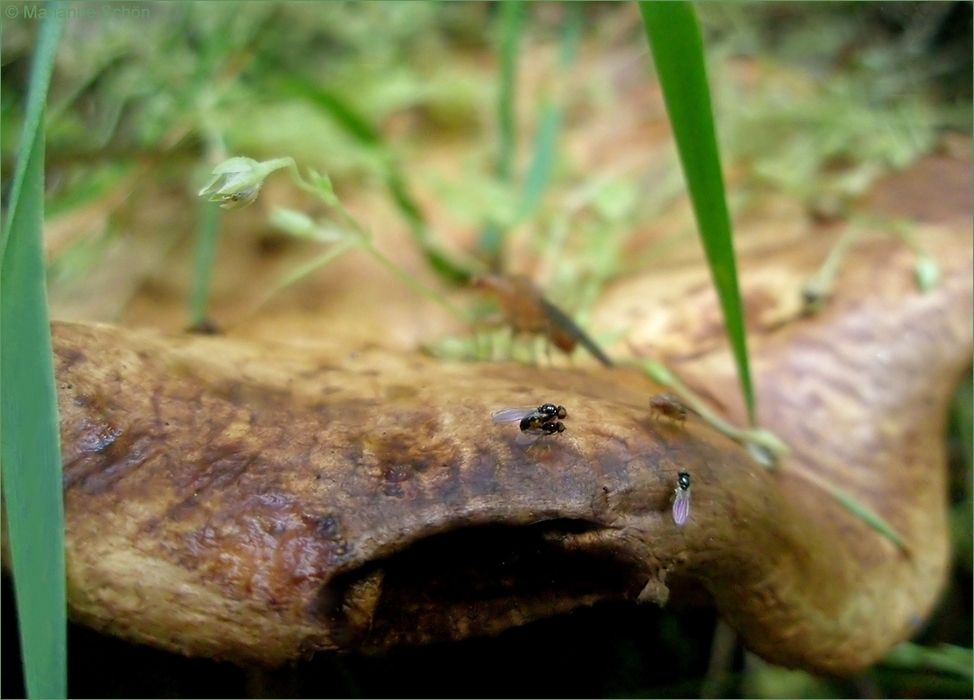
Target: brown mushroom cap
[[258, 503]]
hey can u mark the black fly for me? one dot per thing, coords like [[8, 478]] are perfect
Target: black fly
[[533, 422]]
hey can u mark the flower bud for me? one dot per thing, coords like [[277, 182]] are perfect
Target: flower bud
[[237, 181]]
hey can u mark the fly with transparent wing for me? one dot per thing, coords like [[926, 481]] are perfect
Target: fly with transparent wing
[[533, 422], [681, 500]]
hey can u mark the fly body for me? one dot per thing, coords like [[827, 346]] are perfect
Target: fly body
[[681, 499], [526, 438]]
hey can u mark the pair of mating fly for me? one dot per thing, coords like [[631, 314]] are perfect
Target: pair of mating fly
[[546, 420], [534, 422]]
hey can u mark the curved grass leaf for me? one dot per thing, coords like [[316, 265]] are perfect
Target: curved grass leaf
[[29, 434], [395, 179], [677, 46]]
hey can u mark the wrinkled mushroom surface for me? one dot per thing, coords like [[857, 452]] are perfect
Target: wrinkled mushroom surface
[[259, 502]]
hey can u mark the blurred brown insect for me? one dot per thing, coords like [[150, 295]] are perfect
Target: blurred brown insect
[[527, 311], [669, 406]]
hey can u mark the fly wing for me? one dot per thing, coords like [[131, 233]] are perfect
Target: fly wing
[[511, 415], [681, 507], [526, 438]]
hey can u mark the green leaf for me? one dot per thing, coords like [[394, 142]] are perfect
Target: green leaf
[[945, 658], [30, 450], [677, 47]]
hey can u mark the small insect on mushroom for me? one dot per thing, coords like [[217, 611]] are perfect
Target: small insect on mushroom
[[533, 422], [669, 406], [681, 500]]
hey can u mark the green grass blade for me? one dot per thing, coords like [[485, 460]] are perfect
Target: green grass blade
[[963, 419], [444, 265], [962, 514], [29, 434], [571, 35], [334, 105], [543, 163], [512, 23], [545, 150], [34, 116], [207, 236], [546, 144], [677, 46], [868, 516]]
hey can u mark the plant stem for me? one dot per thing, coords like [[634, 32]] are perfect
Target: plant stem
[[415, 283]]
